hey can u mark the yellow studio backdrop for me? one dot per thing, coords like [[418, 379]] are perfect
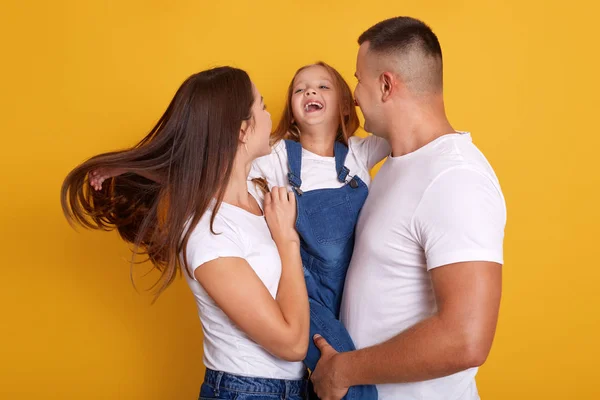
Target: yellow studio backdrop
[[84, 77]]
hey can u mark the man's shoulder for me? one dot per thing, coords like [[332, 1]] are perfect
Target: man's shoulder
[[458, 155]]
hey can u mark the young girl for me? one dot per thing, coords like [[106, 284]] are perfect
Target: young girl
[[316, 154], [200, 213]]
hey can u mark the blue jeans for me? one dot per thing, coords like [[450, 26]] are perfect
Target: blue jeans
[[224, 386]]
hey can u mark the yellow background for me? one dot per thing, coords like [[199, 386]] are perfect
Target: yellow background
[[83, 77]]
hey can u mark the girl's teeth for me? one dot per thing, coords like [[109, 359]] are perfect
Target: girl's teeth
[[318, 105]]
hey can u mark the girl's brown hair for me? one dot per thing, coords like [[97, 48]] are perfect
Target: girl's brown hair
[[287, 129], [191, 149]]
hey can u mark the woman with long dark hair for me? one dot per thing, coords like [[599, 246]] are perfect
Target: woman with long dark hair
[[202, 216]]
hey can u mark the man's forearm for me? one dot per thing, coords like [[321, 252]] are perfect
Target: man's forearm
[[431, 349]]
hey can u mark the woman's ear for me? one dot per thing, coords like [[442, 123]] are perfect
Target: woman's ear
[[244, 131]]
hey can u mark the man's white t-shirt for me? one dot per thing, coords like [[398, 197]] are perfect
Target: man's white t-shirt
[[244, 235], [439, 205], [319, 172]]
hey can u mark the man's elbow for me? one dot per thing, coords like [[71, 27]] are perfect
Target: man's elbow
[[475, 356], [475, 350]]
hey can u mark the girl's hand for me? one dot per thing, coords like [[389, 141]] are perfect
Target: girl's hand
[[280, 213]]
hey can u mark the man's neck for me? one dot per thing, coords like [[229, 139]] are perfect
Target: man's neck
[[417, 127]]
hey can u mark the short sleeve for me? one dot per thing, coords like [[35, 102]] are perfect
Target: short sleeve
[[255, 171], [370, 150], [260, 168], [461, 218], [270, 167], [204, 246]]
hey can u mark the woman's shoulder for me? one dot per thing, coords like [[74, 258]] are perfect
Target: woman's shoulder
[[209, 229]]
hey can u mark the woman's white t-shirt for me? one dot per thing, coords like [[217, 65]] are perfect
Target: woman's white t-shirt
[[244, 235]]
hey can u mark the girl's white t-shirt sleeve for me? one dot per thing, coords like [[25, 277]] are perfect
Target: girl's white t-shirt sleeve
[[255, 170], [369, 150], [204, 246], [271, 166], [261, 167]]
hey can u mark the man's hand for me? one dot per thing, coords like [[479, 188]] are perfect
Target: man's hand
[[327, 377]]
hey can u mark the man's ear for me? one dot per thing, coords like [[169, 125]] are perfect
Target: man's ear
[[387, 84]]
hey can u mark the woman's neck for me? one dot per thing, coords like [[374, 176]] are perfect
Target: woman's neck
[[236, 191]]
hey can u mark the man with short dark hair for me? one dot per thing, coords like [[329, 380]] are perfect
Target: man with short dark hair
[[423, 289]]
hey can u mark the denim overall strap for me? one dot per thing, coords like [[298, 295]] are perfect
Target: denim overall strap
[[294, 153], [341, 151]]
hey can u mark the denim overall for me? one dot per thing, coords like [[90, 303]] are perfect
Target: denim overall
[[326, 221]]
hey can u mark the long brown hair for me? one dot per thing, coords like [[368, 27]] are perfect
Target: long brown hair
[[191, 148], [287, 129]]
